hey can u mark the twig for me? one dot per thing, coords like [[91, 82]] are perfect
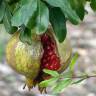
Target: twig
[[84, 76], [78, 77]]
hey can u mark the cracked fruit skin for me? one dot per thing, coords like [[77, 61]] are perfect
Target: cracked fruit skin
[[24, 58]]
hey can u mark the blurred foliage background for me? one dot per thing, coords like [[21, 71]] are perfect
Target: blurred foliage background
[[3, 40], [83, 40]]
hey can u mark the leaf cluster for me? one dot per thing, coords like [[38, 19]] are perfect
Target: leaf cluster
[[36, 15]]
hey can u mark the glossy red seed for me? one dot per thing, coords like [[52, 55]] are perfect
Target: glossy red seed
[[50, 53], [45, 38], [53, 57]]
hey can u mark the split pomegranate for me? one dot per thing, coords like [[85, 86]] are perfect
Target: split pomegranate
[[49, 60], [44, 52]]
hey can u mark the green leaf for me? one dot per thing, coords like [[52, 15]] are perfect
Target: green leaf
[[7, 21], [66, 9], [25, 35], [2, 48], [58, 22], [47, 83], [52, 73], [42, 21], [19, 5], [73, 61], [67, 74], [0, 2], [1, 22], [62, 85], [78, 6], [93, 4], [12, 1], [2, 10], [25, 13], [78, 81]]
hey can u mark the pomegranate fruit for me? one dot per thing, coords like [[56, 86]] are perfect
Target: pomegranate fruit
[[44, 52], [24, 58]]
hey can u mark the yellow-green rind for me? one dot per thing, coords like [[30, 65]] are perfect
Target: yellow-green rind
[[24, 58]]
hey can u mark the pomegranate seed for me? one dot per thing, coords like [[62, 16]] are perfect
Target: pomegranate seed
[[49, 60]]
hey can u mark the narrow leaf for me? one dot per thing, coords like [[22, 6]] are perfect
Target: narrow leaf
[[49, 82], [78, 81], [67, 74], [73, 61], [62, 85], [58, 22], [52, 73]]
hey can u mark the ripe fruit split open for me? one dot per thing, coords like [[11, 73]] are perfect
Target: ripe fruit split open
[[49, 60], [44, 52]]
